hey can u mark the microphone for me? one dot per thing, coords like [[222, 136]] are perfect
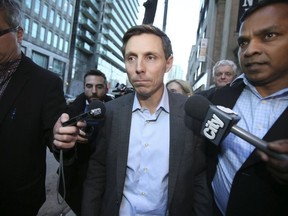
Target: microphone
[[218, 121], [96, 110]]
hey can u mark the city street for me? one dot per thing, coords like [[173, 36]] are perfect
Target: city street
[[51, 207]]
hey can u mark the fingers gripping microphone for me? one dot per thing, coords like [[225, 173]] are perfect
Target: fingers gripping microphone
[[96, 110], [218, 121]]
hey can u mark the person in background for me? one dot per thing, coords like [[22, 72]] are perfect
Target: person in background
[[179, 86], [31, 101], [224, 72], [244, 181], [95, 88], [147, 160]]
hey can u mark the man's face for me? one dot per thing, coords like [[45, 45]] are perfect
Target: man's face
[[224, 75], [9, 47], [263, 48], [146, 64], [95, 88]]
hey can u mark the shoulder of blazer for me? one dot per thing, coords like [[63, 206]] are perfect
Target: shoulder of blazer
[[228, 95]]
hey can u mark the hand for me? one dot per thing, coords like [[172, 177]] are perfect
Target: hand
[[82, 137], [66, 137], [278, 168]]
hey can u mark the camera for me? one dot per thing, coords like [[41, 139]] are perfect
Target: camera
[[122, 89]]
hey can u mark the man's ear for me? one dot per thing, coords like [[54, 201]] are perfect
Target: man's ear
[[169, 63], [20, 33]]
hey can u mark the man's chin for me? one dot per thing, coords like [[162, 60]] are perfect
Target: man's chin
[[92, 99]]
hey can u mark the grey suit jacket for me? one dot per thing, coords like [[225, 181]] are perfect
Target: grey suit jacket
[[187, 187]]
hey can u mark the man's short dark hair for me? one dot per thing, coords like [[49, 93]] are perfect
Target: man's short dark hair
[[148, 29], [96, 72], [259, 5]]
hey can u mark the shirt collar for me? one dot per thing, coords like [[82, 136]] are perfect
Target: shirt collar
[[164, 102], [282, 92]]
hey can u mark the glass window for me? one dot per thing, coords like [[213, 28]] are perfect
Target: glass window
[[55, 41], [28, 3], [34, 30], [66, 3], [59, 3], [45, 11], [68, 28], [66, 46], [63, 25], [61, 41], [58, 20], [26, 25], [51, 17], [49, 37], [40, 59], [42, 33], [59, 67], [37, 6], [70, 9]]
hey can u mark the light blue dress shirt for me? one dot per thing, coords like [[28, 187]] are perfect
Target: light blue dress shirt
[[257, 114], [146, 184]]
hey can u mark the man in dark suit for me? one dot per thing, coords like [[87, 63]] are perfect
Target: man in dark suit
[[147, 160], [31, 101], [95, 88], [244, 182]]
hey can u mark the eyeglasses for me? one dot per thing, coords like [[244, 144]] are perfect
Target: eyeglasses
[[5, 31]]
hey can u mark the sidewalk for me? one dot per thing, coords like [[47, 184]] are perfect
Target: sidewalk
[[51, 207]]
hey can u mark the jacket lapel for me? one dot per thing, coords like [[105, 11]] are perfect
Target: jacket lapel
[[123, 142], [14, 88], [177, 143]]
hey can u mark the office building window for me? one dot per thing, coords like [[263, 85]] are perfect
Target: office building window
[[37, 6], [66, 5], [58, 20], [59, 3], [26, 25], [42, 33], [28, 4], [61, 41], [66, 46], [70, 11], [34, 30], [40, 59], [49, 37], [55, 41], [45, 11], [63, 25], [68, 28], [51, 17], [59, 67]]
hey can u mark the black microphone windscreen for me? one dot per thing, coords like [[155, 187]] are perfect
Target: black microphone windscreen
[[99, 106], [197, 107]]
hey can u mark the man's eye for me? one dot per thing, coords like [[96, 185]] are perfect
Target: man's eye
[[130, 58], [150, 58], [242, 43], [270, 35]]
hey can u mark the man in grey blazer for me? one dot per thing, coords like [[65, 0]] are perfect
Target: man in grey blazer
[[147, 160]]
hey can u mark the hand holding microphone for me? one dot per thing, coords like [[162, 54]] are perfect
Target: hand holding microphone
[[66, 136], [219, 121], [96, 110]]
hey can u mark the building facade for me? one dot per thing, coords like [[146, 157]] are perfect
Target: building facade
[[99, 26], [216, 39], [47, 29], [70, 37]]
